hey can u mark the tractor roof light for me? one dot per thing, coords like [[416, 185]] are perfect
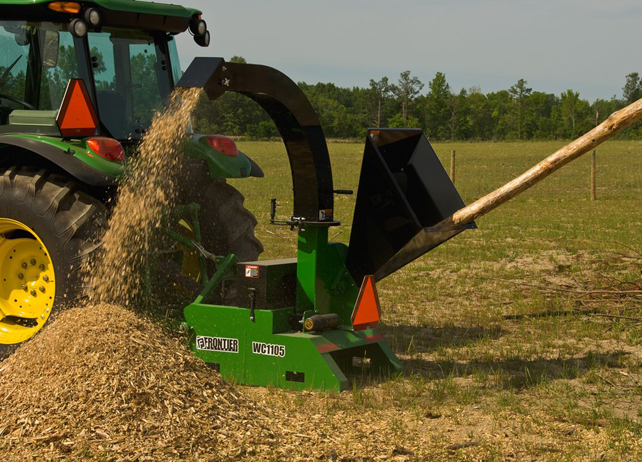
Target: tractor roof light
[[203, 40], [197, 26], [92, 16], [65, 7], [78, 27], [107, 148], [223, 144]]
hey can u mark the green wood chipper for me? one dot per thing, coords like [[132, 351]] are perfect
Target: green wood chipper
[[311, 322]]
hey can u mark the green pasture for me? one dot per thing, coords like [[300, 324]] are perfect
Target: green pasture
[[530, 325]]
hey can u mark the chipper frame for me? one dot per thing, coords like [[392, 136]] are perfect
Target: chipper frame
[[311, 321]]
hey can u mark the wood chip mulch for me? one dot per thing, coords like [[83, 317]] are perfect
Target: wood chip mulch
[[100, 382]]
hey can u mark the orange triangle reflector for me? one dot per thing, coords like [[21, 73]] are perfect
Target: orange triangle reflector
[[367, 311], [77, 116]]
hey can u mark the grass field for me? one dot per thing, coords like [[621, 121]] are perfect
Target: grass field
[[513, 337]]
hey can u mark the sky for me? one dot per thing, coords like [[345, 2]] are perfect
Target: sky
[[585, 45]]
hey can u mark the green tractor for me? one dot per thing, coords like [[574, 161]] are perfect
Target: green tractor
[[57, 180], [79, 83]]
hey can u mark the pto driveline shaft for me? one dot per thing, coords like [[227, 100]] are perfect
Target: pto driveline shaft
[[321, 322]]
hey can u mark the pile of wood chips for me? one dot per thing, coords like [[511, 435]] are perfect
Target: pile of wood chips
[[102, 383]]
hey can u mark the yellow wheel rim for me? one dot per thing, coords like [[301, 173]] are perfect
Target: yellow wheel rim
[[27, 282]]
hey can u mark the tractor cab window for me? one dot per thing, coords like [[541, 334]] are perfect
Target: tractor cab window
[[36, 62], [132, 81]]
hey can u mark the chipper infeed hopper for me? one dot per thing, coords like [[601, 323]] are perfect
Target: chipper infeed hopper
[[311, 321]]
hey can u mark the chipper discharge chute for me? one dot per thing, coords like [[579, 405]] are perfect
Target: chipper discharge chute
[[310, 321]]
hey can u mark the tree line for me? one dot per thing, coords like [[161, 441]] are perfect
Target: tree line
[[518, 113]]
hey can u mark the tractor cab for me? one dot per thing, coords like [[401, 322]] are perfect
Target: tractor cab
[[129, 74]]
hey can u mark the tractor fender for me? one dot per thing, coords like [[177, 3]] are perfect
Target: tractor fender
[[220, 165], [256, 170], [64, 159]]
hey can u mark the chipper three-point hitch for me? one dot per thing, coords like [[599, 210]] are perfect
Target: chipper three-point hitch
[[311, 321]]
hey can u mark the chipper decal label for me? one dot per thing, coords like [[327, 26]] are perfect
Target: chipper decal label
[[325, 215], [268, 349], [225, 345], [251, 271]]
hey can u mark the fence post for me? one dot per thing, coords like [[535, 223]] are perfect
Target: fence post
[[593, 168], [452, 166]]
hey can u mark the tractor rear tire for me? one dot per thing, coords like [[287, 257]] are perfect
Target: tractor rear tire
[[226, 225], [48, 229]]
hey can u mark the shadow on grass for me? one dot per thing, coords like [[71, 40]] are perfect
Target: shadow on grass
[[514, 373], [412, 343], [412, 339]]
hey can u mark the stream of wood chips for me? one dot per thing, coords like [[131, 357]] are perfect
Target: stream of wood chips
[[102, 382]]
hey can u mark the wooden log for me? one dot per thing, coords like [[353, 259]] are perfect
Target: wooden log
[[614, 124]]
